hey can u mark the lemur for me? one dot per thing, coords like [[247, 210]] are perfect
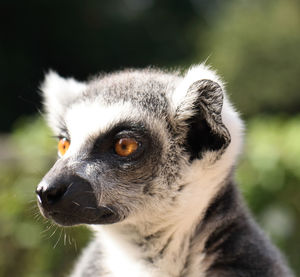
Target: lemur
[[147, 159]]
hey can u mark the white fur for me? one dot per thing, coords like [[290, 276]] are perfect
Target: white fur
[[86, 120], [59, 91], [195, 73], [122, 258]]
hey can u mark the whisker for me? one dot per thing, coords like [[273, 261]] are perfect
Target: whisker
[[76, 203], [90, 208], [47, 229], [53, 232], [58, 238], [108, 209], [70, 186], [37, 216], [75, 245], [101, 195], [65, 238]]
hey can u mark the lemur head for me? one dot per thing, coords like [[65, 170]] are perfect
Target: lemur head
[[129, 141]]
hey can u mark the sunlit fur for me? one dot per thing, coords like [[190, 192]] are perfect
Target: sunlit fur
[[174, 226]]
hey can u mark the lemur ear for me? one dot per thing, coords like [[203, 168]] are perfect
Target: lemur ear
[[58, 93], [206, 131], [201, 111]]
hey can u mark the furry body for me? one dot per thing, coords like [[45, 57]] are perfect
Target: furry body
[[171, 208]]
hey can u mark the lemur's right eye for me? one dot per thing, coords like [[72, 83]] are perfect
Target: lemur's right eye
[[63, 146], [126, 146]]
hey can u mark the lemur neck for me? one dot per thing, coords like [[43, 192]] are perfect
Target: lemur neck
[[161, 252], [163, 242]]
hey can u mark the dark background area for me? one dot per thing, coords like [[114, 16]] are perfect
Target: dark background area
[[253, 44], [80, 38]]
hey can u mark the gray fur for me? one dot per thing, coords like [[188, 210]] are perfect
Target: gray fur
[[147, 202]]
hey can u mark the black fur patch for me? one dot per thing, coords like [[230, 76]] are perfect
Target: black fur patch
[[206, 130], [200, 138], [224, 203], [235, 241]]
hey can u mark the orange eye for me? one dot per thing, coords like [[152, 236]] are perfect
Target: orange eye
[[63, 146], [126, 146]]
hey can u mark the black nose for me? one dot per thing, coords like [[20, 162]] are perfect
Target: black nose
[[52, 194]]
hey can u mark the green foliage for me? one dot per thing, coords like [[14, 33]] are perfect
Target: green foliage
[[270, 178], [268, 174], [255, 45]]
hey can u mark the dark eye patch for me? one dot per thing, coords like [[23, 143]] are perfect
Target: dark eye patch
[[103, 147]]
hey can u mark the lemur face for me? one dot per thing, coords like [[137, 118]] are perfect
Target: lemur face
[[124, 141]]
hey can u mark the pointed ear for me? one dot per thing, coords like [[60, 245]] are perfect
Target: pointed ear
[[206, 130], [58, 93], [200, 111]]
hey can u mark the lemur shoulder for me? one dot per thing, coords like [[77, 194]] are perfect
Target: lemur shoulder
[[147, 159]]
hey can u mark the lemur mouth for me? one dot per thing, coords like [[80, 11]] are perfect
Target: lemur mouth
[[101, 215]]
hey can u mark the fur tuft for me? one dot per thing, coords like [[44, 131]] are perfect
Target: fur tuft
[[58, 93]]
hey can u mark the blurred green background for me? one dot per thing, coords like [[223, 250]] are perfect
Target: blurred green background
[[253, 44]]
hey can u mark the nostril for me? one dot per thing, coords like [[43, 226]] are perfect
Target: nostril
[[54, 194], [51, 194]]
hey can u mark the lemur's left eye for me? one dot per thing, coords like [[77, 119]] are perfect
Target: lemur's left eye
[[63, 146], [126, 146]]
